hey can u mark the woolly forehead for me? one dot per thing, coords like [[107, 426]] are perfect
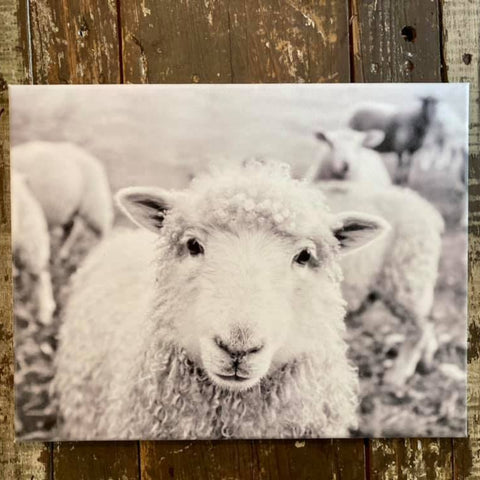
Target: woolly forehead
[[283, 206]]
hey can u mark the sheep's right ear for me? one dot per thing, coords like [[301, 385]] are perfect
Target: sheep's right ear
[[145, 206], [354, 230]]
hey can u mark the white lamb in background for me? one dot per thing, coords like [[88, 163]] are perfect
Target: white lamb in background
[[31, 244], [401, 267], [221, 317], [348, 155], [70, 184]]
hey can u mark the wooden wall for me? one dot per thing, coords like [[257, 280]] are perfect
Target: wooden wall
[[224, 41]]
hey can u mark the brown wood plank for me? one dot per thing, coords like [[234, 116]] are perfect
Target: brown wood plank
[[198, 459], [396, 41], [91, 461], [289, 41], [319, 459], [249, 41], [175, 41], [17, 460], [276, 460], [74, 41], [421, 459], [385, 51], [461, 23]]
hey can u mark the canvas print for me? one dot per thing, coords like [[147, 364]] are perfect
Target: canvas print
[[239, 261]]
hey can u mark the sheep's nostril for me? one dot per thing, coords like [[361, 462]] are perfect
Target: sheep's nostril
[[345, 168], [236, 354]]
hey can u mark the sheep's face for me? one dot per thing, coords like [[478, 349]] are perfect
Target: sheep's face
[[340, 158], [248, 293], [249, 296]]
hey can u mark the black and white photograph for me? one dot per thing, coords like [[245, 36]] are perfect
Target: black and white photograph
[[239, 261]]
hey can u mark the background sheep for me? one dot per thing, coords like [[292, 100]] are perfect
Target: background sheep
[[31, 245], [405, 130], [347, 155], [401, 268], [192, 339], [69, 184]]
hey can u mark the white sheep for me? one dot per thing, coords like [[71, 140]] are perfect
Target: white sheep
[[70, 184], [348, 155], [221, 317], [31, 244], [401, 267]]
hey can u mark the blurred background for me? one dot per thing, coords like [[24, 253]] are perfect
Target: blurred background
[[164, 135]]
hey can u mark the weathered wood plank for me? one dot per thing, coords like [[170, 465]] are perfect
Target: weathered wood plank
[[175, 41], [320, 459], [74, 41], [276, 460], [219, 41], [292, 41], [198, 459], [400, 42], [396, 41], [461, 23], [419, 459], [91, 461], [26, 460]]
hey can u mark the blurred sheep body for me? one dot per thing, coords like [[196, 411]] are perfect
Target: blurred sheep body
[[31, 244], [223, 322], [401, 268], [347, 156], [69, 183], [405, 129], [445, 145]]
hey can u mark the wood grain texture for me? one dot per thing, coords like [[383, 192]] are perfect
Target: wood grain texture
[[199, 459], [74, 41], [408, 459], [276, 460], [175, 41], [245, 41], [32, 460], [461, 23], [91, 461], [382, 54], [289, 41]]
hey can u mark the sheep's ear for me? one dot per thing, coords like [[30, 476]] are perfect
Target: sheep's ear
[[145, 206], [354, 230], [373, 138], [322, 136]]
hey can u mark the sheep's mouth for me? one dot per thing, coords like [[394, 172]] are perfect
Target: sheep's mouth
[[232, 378]]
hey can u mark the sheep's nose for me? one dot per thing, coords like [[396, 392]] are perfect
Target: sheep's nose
[[345, 168], [237, 354]]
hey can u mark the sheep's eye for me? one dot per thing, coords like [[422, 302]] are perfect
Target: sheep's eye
[[303, 257], [194, 247]]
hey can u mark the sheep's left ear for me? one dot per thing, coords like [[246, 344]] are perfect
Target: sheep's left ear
[[145, 206], [354, 230]]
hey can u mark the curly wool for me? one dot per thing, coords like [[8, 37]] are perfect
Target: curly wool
[[174, 398], [136, 381]]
